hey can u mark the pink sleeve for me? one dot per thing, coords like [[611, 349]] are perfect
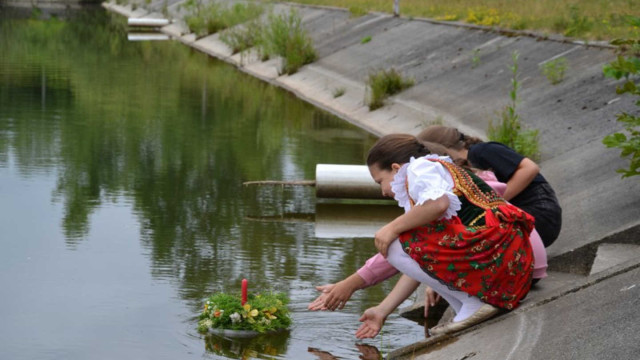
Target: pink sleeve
[[376, 269], [491, 180]]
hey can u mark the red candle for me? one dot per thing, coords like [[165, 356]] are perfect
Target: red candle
[[244, 291]]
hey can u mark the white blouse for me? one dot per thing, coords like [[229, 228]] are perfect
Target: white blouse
[[427, 180]]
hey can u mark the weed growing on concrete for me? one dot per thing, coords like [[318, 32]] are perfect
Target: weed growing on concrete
[[475, 58], [284, 36], [509, 129], [384, 83], [627, 65], [438, 120], [165, 9], [337, 92], [365, 39], [242, 37], [554, 70]]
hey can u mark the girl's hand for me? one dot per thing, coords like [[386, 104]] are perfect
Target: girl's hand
[[372, 319], [431, 298], [319, 302], [334, 296], [383, 238]]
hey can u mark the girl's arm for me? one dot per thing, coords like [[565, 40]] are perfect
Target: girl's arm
[[335, 296], [419, 215], [521, 178]]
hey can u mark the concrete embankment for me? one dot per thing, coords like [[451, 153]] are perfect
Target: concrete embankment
[[462, 79]]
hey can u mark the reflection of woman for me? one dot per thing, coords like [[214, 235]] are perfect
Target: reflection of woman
[[457, 236]]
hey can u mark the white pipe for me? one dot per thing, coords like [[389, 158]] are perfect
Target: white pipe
[[345, 181], [147, 22]]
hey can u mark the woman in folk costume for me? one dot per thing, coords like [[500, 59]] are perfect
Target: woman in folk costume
[[457, 235]]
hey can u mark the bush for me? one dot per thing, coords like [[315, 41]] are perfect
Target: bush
[[383, 84], [627, 65]]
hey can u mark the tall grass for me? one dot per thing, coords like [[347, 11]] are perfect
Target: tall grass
[[586, 19], [284, 36], [509, 129]]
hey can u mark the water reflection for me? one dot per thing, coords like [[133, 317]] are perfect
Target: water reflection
[[267, 346], [121, 171]]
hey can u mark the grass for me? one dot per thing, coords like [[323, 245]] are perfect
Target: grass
[[584, 19], [384, 83], [284, 36], [205, 19]]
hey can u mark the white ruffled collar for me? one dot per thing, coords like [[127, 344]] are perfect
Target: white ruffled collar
[[399, 183]]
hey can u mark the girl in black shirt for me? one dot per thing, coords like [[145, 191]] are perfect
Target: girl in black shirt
[[526, 187]]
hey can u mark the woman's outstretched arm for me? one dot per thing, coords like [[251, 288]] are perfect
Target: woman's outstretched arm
[[374, 317]]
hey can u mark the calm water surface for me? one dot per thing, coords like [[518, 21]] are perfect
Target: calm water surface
[[121, 170]]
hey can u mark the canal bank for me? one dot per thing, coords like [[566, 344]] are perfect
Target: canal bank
[[455, 87]]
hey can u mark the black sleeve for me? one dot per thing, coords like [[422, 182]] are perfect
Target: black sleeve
[[499, 158]]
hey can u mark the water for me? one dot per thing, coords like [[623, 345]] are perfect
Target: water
[[121, 171]]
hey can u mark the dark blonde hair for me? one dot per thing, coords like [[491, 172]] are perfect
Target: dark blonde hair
[[448, 137], [395, 148]]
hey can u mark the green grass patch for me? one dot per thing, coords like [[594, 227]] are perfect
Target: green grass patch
[[384, 83], [585, 19]]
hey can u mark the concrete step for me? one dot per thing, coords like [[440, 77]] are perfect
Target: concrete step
[[609, 255]]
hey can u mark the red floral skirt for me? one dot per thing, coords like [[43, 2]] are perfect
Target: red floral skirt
[[493, 262]]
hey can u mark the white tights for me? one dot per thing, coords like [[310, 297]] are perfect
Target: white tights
[[462, 303]]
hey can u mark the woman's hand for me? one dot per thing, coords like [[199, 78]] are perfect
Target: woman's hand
[[384, 237], [372, 321], [431, 298]]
